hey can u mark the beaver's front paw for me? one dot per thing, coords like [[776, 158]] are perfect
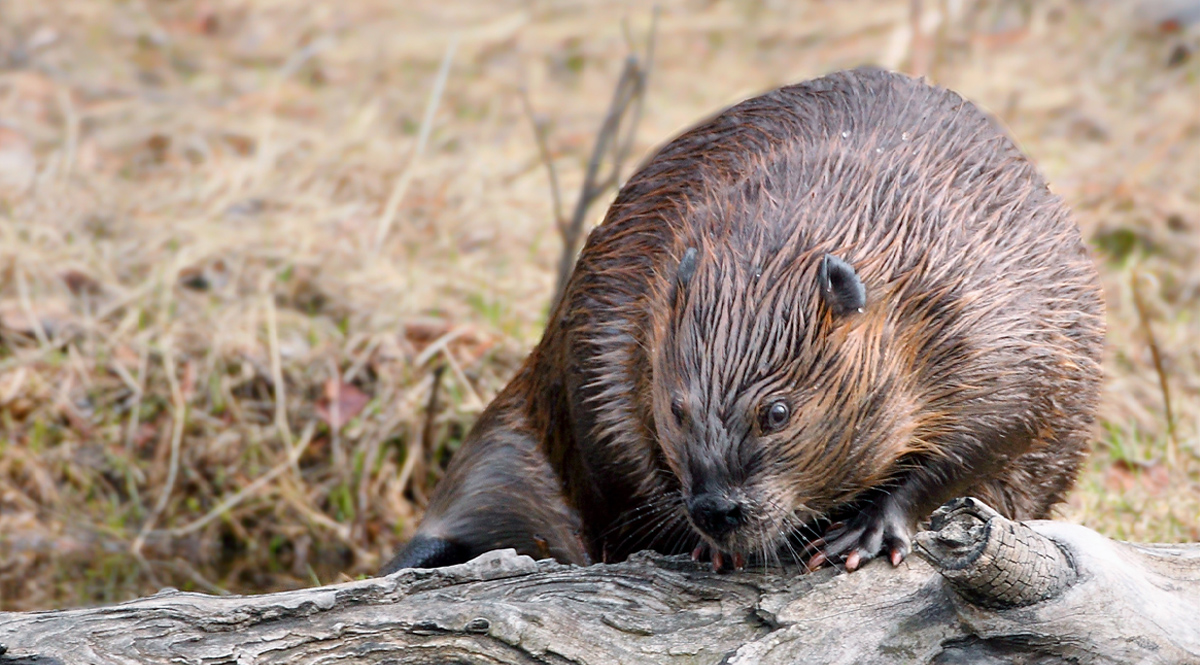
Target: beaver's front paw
[[878, 528]]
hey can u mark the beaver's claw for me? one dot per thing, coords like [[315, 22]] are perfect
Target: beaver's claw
[[873, 531]]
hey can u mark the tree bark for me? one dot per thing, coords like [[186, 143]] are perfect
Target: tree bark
[[984, 590]]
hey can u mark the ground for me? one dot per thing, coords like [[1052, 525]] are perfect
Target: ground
[[230, 267]]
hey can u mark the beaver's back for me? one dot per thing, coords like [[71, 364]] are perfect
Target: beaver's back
[[705, 303], [976, 273]]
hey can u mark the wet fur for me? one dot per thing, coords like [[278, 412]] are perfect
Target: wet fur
[[972, 369]]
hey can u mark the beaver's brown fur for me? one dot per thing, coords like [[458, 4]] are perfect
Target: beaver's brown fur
[[847, 300]]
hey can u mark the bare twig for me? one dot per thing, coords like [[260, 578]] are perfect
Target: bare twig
[[281, 422], [181, 565], [593, 185], [420, 446], [291, 491], [265, 155], [431, 410], [361, 360], [1164, 385], [27, 309], [639, 100], [471, 399], [231, 502], [539, 133], [612, 142], [335, 423], [178, 419], [139, 391], [427, 442], [919, 52], [71, 129], [438, 345], [398, 190], [369, 480]]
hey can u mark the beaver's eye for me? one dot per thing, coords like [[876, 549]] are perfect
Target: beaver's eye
[[677, 411], [774, 416]]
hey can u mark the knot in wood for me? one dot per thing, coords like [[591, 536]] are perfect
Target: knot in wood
[[960, 534], [477, 625]]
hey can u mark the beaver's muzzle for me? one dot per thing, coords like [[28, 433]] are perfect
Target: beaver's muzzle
[[716, 515]]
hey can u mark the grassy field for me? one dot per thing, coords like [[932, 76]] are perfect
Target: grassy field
[[229, 272]]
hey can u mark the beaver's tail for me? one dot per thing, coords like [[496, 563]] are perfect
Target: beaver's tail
[[427, 552], [499, 492]]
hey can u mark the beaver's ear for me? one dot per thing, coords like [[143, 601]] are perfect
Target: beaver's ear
[[687, 266], [841, 288]]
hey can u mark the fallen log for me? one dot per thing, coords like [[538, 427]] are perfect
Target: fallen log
[[983, 590]]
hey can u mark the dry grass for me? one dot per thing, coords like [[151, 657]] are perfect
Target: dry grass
[[212, 374]]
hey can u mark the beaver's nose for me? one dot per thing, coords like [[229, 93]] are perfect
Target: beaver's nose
[[716, 515]]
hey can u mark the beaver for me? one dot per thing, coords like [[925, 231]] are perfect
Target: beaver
[[802, 325]]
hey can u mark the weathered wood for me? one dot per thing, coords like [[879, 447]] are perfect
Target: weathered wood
[[1043, 592]]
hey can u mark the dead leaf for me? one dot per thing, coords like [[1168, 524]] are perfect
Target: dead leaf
[[206, 276], [1156, 478], [349, 400], [187, 383], [158, 146], [422, 331], [18, 167], [1118, 477], [80, 282], [1124, 476], [53, 315], [244, 146], [128, 358], [12, 384], [91, 158]]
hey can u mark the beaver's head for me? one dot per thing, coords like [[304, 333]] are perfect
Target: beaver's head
[[775, 400]]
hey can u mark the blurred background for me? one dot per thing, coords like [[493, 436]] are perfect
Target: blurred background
[[262, 262]]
